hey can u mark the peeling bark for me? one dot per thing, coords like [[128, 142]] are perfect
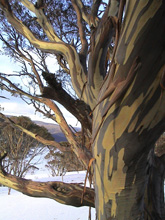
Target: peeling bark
[[123, 128], [127, 96]]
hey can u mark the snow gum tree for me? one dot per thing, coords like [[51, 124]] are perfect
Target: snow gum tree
[[22, 150], [113, 53]]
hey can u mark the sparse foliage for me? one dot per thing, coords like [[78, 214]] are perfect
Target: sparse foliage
[[59, 163], [23, 151]]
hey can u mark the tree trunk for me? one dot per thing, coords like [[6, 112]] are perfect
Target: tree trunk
[[130, 118], [121, 176], [128, 115], [154, 202]]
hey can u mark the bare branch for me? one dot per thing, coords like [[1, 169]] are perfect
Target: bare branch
[[94, 12], [68, 51], [113, 7], [76, 147], [42, 20], [81, 151], [85, 15], [33, 65], [15, 90], [35, 136], [62, 64], [25, 57], [81, 29], [76, 107]]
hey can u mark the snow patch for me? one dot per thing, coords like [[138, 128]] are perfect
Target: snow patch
[[18, 206]]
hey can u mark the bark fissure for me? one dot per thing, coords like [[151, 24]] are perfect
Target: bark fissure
[[118, 72], [121, 139]]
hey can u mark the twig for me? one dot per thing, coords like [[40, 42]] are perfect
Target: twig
[[84, 190]]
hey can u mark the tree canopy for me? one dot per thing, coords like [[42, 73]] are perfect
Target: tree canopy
[[104, 61], [23, 153]]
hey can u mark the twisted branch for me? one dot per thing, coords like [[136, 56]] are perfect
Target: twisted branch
[[65, 193]]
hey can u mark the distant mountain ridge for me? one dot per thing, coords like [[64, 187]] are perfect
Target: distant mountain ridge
[[54, 129]]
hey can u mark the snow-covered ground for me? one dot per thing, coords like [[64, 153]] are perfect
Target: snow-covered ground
[[21, 207]]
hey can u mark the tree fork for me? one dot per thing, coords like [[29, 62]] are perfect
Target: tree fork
[[77, 107]]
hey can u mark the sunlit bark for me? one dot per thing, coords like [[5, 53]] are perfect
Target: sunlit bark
[[125, 120], [120, 74], [68, 51], [65, 193], [42, 20]]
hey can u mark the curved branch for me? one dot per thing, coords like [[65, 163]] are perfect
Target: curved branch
[[83, 39], [94, 12], [68, 51], [100, 42], [16, 89], [65, 193], [81, 151], [35, 136], [62, 64], [85, 15], [76, 107], [42, 20]]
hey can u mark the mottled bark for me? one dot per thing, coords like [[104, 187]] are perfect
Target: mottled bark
[[154, 198], [126, 119], [65, 193], [125, 90]]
